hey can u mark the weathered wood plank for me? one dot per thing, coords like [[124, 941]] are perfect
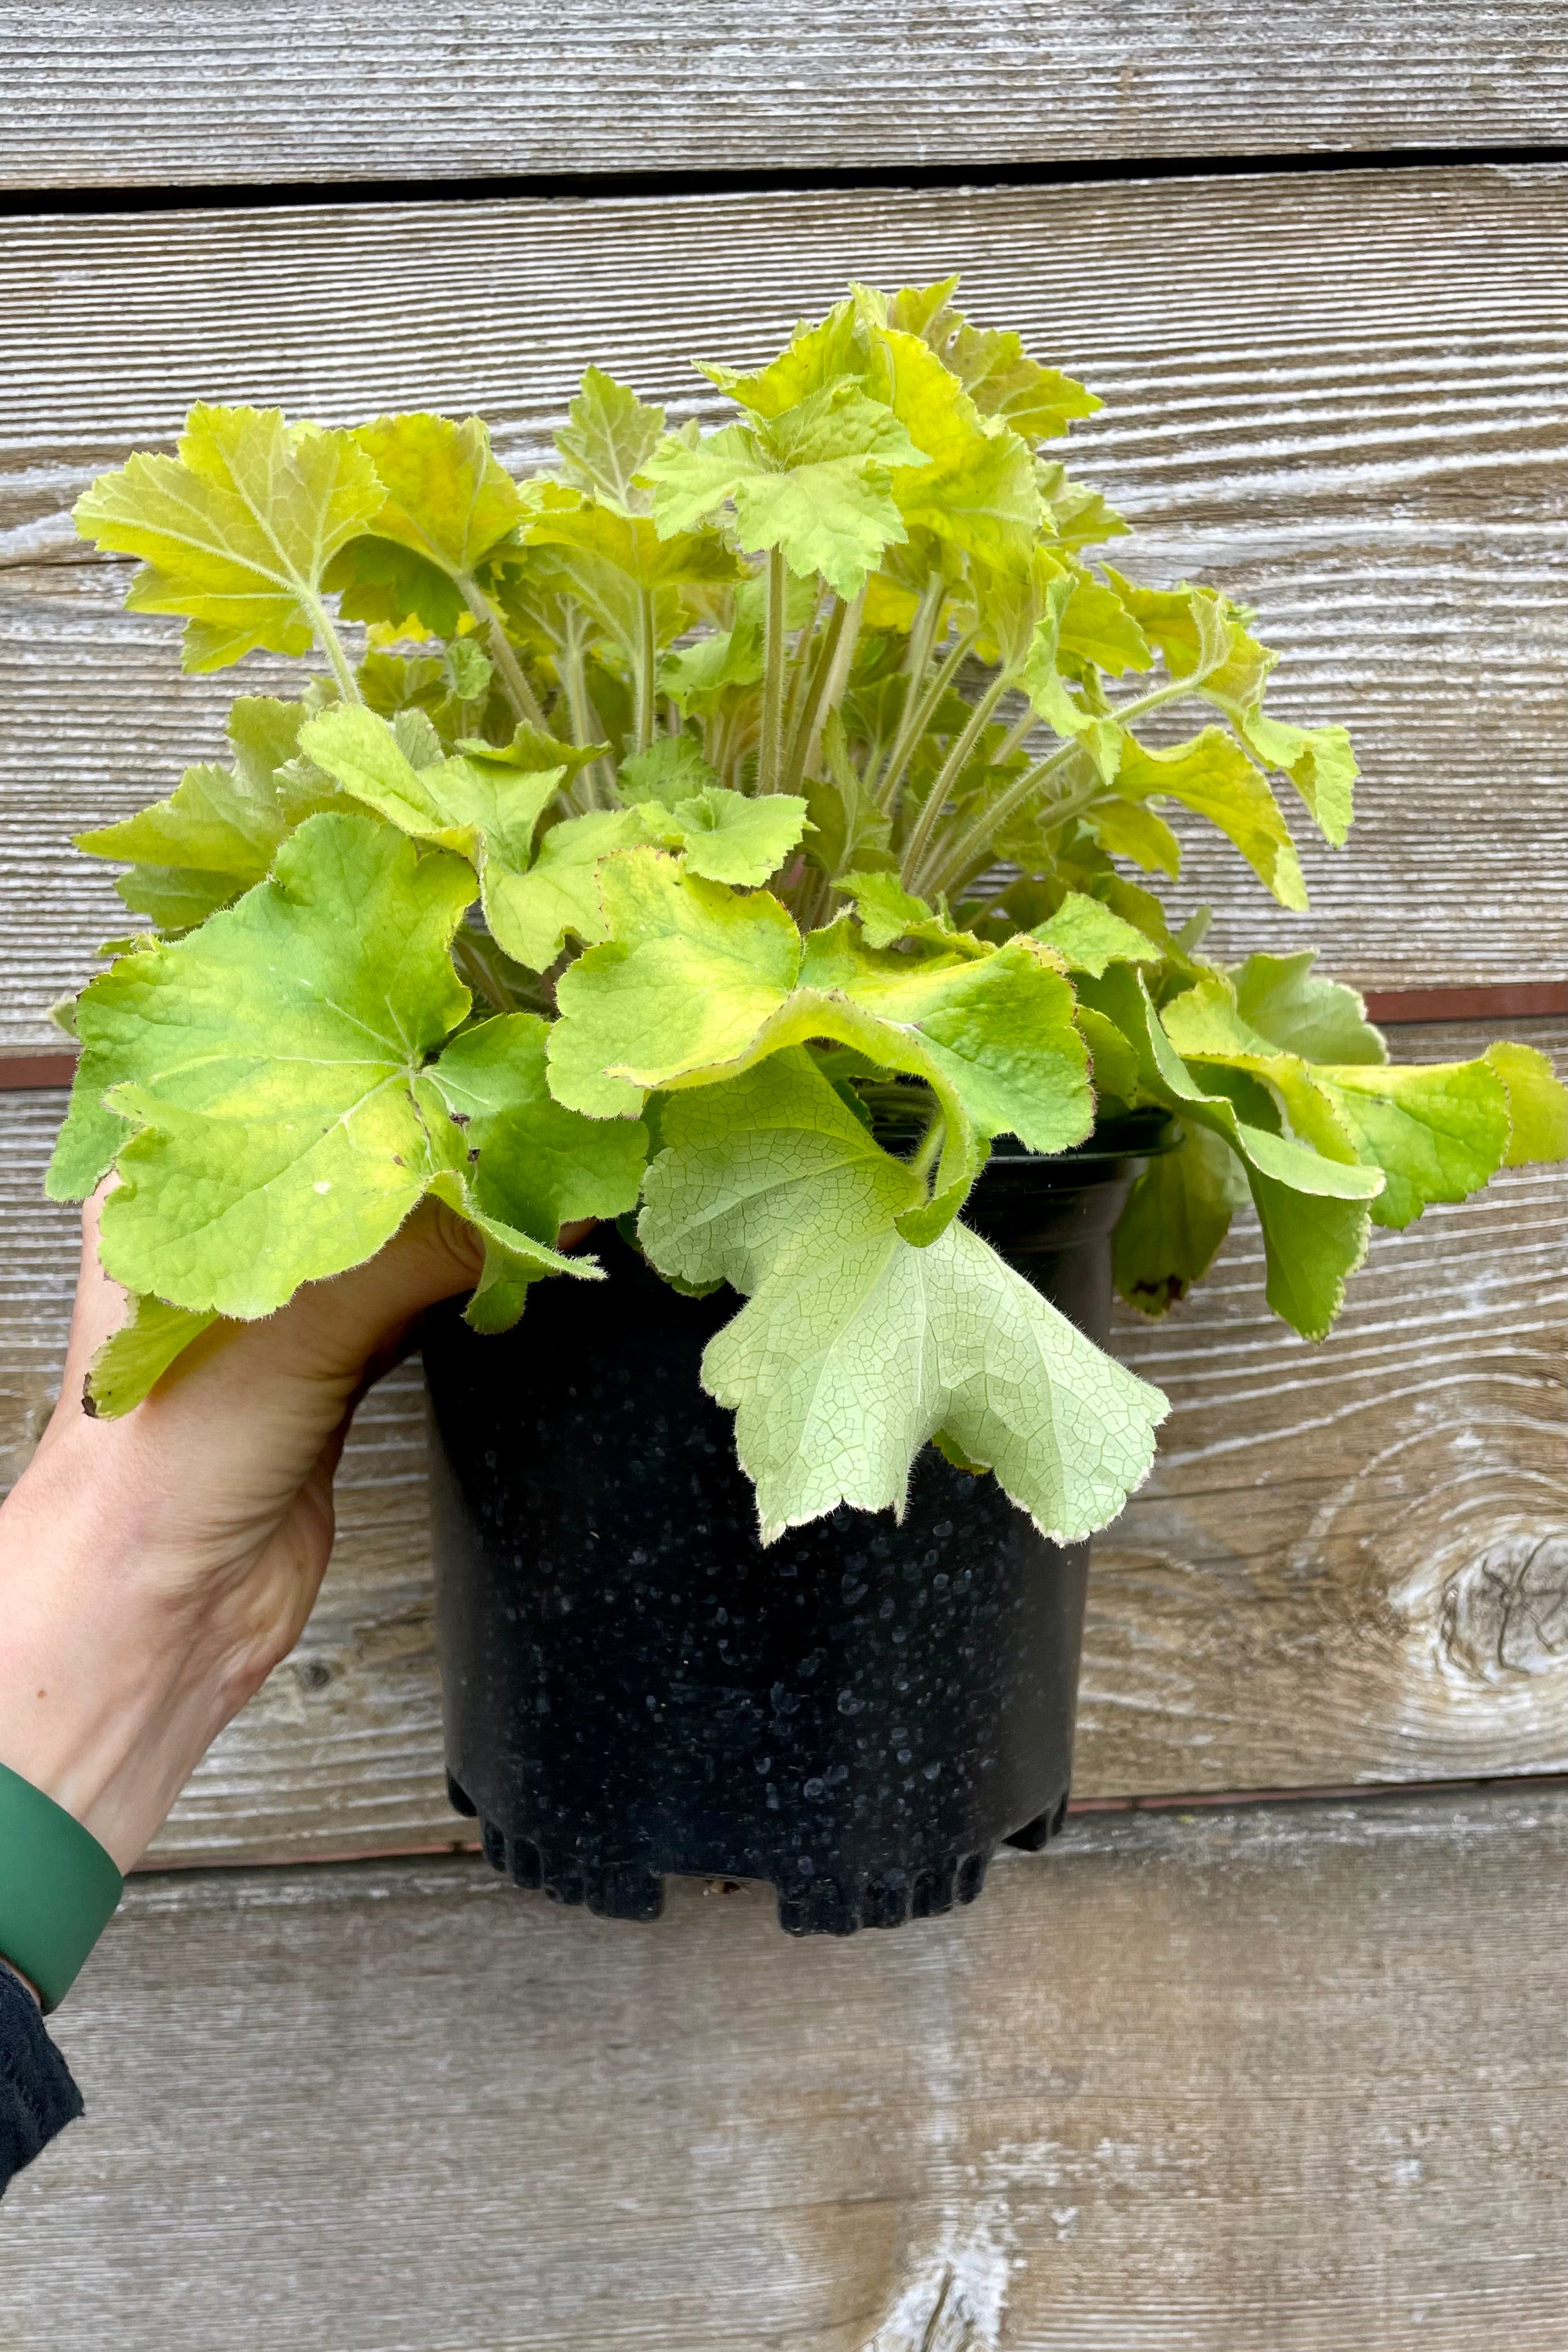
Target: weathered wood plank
[[117, 93], [1348, 1566], [1289, 2077], [1351, 419]]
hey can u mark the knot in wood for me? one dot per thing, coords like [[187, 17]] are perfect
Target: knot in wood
[[1505, 1612]]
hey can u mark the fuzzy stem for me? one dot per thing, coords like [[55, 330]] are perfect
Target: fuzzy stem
[[930, 1148], [475, 966], [646, 656], [1017, 735], [952, 768], [584, 727], [771, 757], [519, 693], [916, 721], [331, 645], [825, 689], [962, 852]]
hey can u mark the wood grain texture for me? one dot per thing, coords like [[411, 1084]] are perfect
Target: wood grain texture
[[1288, 2078], [1335, 395], [1350, 1564], [124, 93]]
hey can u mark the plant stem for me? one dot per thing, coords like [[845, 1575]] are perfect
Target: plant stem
[[646, 656], [331, 645], [915, 722], [475, 966], [811, 680], [930, 1148], [770, 759], [952, 768], [825, 690], [962, 852], [519, 693], [1017, 735], [583, 723]]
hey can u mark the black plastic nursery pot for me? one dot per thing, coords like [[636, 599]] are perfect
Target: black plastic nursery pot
[[859, 1714]]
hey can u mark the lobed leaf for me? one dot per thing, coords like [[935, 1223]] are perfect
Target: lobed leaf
[[856, 1347], [238, 532]]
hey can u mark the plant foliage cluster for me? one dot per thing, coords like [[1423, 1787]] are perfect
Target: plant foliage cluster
[[698, 818]]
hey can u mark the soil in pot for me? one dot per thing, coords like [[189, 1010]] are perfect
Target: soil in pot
[[633, 1687]]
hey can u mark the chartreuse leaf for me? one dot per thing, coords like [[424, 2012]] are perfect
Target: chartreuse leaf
[[273, 1065], [814, 482], [727, 837], [485, 807], [236, 533], [991, 364], [1205, 637], [695, 984], [1042, 681], [631, 543], [524, 1163], [1096, 625], [133, 1359], [1319, 761], [977, 489], [856, 1349], [887, 912], [992, 1031], [1212, 775], [560, 896], [609, 438], [1295, 1008], [669, 770], [1438, 1130], [268, 1074], [814, 357], [1537, 1104], [448, 505], [215, 834], [1312, 1209], [1177, 1214], [1131, 829], [1088, 936], [687, 979]]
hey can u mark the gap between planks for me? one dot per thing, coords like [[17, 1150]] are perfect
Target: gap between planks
[[1080, 1809]]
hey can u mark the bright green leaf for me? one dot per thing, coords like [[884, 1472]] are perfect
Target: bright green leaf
[[1290, 1004], [688, 977], [1319, 761], [217, 833], [531, 1166], [672, 770]]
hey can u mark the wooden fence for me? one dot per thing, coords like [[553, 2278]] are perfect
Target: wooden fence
[[1213, 2074]]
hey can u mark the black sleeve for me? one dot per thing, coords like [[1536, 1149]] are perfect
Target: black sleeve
[[37, 2096]]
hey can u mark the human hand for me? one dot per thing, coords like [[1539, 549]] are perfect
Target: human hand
[[154, 1569]]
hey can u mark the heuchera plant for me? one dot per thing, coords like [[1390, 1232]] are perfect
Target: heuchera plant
[[699, 819]]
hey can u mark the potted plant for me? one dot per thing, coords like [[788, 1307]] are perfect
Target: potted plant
[[731, 837]]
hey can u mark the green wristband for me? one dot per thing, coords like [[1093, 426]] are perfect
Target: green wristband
[[58, 1888]]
